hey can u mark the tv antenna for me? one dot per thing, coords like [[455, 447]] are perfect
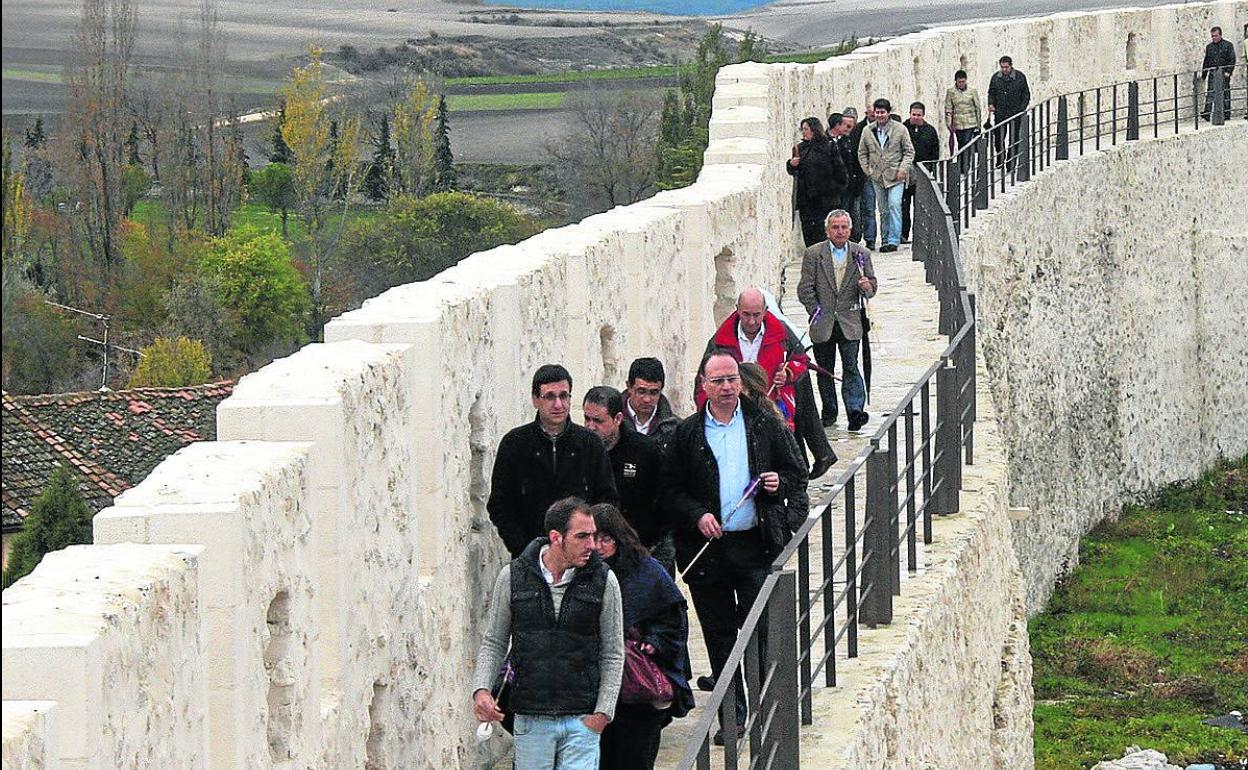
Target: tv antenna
[[104, 344]]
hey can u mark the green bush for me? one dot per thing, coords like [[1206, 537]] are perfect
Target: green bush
[[256, 278], [172, 363], [58, 518]]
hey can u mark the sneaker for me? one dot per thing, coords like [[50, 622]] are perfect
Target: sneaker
[[870, 245]]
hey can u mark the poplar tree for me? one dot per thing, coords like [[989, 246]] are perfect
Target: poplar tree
[[443, 160]]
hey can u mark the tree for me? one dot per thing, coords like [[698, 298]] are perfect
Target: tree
[[134, 185], [98, 78], [35, 137], [274, 186], [132, 145], [58, 518], [381, 168], [257, 280], [443, 160], [322, 169], [415, 115], [40, 351], [416, 238], [193, 310], [172, 363], [15, 204], [280, 152], [606, 156]]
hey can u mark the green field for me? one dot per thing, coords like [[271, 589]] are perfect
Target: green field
[[568, 76], [152, 214], [1149, 635], [523, 101]]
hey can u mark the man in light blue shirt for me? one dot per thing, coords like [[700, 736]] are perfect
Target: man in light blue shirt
[[727, 442]]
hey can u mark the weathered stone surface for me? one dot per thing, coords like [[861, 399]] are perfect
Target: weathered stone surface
[[1136, 758], [1114, 333], [30, 735]]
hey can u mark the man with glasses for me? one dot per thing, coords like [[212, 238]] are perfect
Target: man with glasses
[[736, 492], [646, 409], [546, 460]]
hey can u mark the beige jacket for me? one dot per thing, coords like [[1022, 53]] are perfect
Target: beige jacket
[[964, 107], [882, 164], [841, 303]]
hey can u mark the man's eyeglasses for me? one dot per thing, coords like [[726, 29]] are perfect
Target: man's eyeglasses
[[729, 380], [551, 398], [648, 391]]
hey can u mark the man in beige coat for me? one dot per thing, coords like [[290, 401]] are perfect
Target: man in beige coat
[[837, 278], [887, 156]]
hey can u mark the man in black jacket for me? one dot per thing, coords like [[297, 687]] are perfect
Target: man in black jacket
[[1219, 56], [926, 148], [636, 463], [544, 461], [737, 486], [1008, 95], [859, 196], [646, 409]]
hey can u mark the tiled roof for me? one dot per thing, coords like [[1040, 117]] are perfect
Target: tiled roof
[[112, 440]]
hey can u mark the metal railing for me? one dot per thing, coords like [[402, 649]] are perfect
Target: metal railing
[[912, 465], [1072, 124]]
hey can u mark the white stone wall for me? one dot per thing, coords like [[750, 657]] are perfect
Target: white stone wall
[[1114, 333], [29, 736], [350, 479], [114, 635]]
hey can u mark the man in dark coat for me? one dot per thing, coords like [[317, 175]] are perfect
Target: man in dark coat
[[636, 464], [546, 460], [735, 485], [820, 175], [1008, 95], [860, 196], [1219, 56], [646, 409], [926, 148]]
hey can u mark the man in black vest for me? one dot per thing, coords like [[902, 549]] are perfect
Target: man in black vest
[[546, 460], [559, 606], [636, 462]]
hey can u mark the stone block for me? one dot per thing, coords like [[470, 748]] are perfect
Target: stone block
[[30, 737]]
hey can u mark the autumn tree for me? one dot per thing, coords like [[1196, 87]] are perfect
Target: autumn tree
[[415, 142], [15, 204], [324, 171], [58, 518], [172, 363], [274, 186], [98, 78]]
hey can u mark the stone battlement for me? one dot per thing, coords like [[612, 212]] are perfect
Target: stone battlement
[[306, 591]]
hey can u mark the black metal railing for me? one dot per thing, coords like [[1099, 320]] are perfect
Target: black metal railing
[[1083, 121], [912, 465]]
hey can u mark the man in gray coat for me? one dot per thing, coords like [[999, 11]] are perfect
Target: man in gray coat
[[886, 155], [837, 276]]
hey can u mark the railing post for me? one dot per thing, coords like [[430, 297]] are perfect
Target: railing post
[[1196, 100], [981, 170], [948, 470], [1133, 111], [1217, 95], [968, 343], [877, 584], [1062, 151], [1022, 151], [782, 654], [953, 194]]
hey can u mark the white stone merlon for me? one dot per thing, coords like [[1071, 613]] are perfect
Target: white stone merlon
[[245, 501], [114, 635], [30, 735]]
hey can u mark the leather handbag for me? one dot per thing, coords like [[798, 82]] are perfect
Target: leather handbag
[[643, 681]]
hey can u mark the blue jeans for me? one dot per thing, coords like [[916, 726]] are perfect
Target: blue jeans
[[554, 743], [889, 199], [853, 389], [864, 211]]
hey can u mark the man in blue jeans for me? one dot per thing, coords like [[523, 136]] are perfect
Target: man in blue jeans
[[887, 156], [559, 605]]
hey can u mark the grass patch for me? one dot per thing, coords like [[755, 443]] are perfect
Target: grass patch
[[31, 76], [152, 213], [526, 101], [1149, 635]]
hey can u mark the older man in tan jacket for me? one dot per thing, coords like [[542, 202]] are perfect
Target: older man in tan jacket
[[887, 157]]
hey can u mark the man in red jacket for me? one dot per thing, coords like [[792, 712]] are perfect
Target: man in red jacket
[[753, 334]]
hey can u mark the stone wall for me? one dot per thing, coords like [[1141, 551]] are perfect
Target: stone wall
[[346, 555], [1114, 334]]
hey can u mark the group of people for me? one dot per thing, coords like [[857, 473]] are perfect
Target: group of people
[[864, 166], [585, 653]]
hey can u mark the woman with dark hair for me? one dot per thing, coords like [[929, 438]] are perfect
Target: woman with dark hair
[[754, 385], [656, 624], [821, 178]]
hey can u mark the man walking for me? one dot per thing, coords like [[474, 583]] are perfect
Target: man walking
[[962, 111], [544, 461], [636, 464], [647, 410], [1008, 95], [926, 148], [886, 155], [753, 334], [1219, 61], [559, 607], [737, 487], [862, 201], [837, 276]]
